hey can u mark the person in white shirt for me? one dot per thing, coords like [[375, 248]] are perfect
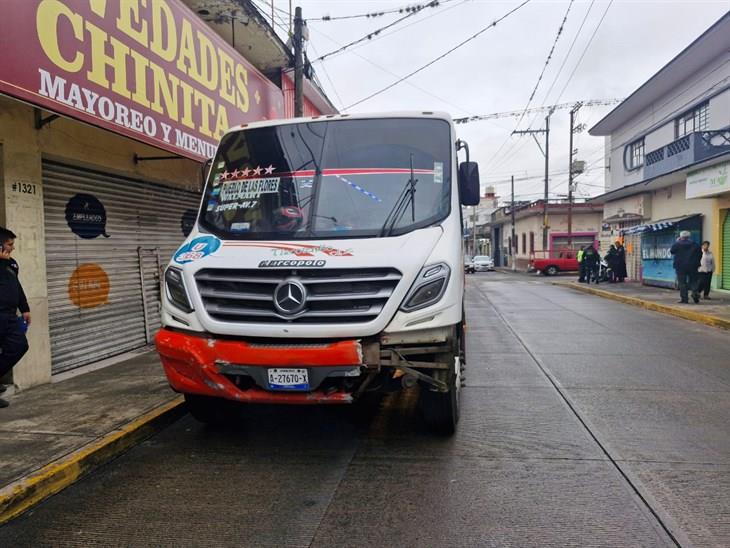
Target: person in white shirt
[[707, 267]]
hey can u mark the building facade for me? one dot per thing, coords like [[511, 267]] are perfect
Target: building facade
[[107, 111], [668, 152], [585, 230]]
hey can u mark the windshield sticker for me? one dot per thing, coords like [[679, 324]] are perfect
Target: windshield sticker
[[438, 172], [360, 189], [197, 249], [240, 227], [293, 263], [249, 189]]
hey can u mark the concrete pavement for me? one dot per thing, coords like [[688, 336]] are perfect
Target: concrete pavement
[[53, 434], [584, 422]]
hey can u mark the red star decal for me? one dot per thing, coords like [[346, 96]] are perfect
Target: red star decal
[[257, 171], [270, 170], [235, 174], [245, 172], [224, 175]]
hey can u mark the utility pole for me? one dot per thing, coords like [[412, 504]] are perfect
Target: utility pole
[[546, 154], [512, 213], [547, 164], [573, 129], [298, 63]]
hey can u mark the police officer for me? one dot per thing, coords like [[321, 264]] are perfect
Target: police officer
[[12, 298]]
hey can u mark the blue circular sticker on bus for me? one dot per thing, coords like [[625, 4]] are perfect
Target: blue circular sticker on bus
[[197, 249]]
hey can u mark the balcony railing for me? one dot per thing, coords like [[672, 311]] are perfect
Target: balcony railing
[[690, 149]]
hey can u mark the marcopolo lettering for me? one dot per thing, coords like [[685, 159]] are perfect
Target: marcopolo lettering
[[293, 263]]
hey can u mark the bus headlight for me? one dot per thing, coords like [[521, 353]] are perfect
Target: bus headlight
[[428, 288], [176, 292]]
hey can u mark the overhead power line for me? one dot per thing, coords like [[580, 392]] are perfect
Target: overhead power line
[[373, 14], [585, 50], [397, 30], [547, 62], [382, 68], [537, 84], [535, 110], [460, 44], [370, 35]]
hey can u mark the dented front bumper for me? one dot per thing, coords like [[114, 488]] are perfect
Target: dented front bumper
[[236, 370]]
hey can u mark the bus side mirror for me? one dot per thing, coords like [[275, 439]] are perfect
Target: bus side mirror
[[469, 183]]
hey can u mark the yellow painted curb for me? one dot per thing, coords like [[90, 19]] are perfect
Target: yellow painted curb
[[649, 305], [26, 492]]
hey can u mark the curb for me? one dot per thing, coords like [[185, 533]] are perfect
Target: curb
[[706, 319], [28, 491]]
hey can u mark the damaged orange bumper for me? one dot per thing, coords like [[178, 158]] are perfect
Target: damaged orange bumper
[[192, 365]]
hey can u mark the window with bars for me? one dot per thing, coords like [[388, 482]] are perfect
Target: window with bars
[[635, 154], [693, 120], [524, 243], [532, 242]]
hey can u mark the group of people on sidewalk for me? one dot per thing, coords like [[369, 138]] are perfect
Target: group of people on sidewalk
[[589, 264], [694, 266]]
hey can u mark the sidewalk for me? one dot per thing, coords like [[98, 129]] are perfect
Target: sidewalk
[[713, 312], [53, 434]]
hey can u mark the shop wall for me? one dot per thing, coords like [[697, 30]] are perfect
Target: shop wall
[[582, 222], [671, 202], [22, 148]]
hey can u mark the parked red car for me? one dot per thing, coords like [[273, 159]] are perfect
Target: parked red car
[[557, 261]]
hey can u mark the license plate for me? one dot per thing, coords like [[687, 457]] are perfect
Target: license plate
[[288, 379]]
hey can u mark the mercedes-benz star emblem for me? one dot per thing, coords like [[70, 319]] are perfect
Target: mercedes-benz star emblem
[[290, 297]]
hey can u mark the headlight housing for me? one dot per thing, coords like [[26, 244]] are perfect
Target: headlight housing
[[429, 287], [176, 292]]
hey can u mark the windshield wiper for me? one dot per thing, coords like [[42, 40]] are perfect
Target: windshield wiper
[[407, 197]]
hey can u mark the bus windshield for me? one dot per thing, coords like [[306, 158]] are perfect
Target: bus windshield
[[337, 178]]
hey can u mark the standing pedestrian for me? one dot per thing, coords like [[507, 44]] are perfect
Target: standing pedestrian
[[581, 267], [620, 271], [611, 259], [592, 262], [12, 298], [687, 259], [707, 267]]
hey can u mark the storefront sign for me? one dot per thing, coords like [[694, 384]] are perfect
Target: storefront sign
[[89, 286], [187, 222], [148, 69], [86, 216], [708, 182]]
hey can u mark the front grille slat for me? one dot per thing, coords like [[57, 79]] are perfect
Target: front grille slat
[[333, 295]]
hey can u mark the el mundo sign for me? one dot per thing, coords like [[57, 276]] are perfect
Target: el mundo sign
[[148, 69]]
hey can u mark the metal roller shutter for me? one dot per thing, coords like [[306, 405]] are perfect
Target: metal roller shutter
[[97, 308], [726, 251]]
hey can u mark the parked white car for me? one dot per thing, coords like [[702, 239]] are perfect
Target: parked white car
[[483, 263]]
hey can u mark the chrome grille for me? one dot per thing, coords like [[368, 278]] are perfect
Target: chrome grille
[[333, 295]]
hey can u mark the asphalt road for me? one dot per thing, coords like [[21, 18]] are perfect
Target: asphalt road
[[584, 423]]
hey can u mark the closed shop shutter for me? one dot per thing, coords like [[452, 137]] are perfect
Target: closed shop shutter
[[105, 237], [726, 251]]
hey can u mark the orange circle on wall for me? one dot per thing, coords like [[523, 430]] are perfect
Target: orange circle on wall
[[88, 286]]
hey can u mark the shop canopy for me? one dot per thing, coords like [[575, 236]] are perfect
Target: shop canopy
[[663, 224]]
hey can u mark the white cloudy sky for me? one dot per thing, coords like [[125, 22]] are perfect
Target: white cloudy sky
[[497, 71]]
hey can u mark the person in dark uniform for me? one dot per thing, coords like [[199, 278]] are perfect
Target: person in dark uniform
[[592, 262], [620, 270], [13, 343]]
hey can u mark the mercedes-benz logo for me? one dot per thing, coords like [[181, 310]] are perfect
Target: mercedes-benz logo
[[290, 297]]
